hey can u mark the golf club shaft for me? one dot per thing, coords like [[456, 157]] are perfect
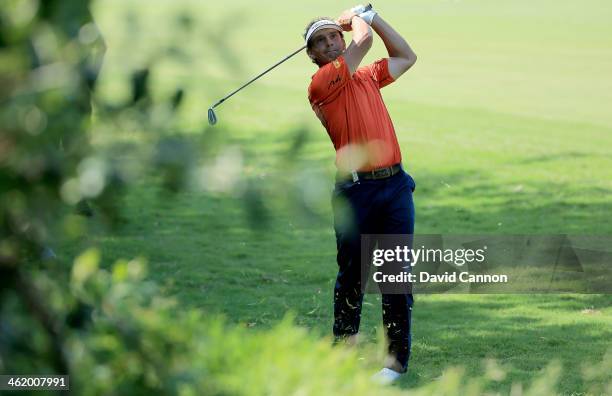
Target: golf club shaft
[[367, 8], [255, 78]]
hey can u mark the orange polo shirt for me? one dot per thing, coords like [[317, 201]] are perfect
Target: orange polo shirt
[[352, 110]]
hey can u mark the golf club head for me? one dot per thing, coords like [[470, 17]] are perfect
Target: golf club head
[[212, 117]]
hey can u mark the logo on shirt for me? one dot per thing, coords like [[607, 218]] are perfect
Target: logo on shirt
[[336, 64], [333, 82]]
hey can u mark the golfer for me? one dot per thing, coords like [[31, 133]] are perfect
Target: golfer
[[373, 194]]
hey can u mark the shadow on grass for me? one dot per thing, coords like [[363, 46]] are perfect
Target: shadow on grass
[[203, 252], [474, 202], [574, 155], [518, 331]]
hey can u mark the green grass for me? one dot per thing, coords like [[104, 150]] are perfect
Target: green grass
[[204, 252], [504, 123]]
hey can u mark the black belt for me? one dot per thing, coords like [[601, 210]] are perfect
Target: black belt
[[375, 174]]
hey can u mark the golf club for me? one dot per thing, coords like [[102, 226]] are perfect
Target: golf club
[[212, 117]]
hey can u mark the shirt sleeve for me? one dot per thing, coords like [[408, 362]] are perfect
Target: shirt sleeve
[[328, 81], [379, 71]]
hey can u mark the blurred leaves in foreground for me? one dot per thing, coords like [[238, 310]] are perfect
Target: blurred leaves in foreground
[[51, 53], [110, 329], [121, 337]]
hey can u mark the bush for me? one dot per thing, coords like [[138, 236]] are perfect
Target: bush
[[121, 337]]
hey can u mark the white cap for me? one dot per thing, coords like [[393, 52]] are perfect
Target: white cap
[[322, 24]]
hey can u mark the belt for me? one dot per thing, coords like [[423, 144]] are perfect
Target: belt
[[375, 174]]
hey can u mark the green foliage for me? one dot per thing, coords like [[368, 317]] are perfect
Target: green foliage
[[108, 326], [135, 342], [45, 100]]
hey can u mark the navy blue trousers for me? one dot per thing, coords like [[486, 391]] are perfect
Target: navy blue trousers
[[382, 206]]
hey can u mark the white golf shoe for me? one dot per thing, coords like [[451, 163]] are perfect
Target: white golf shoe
[[386, 376]]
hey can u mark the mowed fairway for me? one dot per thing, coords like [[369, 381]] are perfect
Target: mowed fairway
[[504, 123]]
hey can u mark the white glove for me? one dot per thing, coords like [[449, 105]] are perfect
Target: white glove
[[367, 16], [358, 9]]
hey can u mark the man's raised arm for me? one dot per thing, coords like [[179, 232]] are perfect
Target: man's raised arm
[[401, 56], [362, 38]]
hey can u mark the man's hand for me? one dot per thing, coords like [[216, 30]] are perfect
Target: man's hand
[[366, 13], [358, 9], [344, 20]]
